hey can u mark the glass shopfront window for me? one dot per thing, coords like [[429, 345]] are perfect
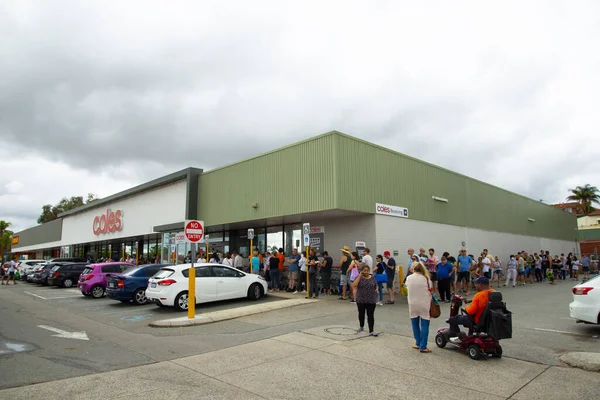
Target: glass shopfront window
[[293, 238], [274, 238]]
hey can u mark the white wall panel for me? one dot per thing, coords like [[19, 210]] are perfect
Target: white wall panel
[[345, 231], [400, 234], [164, 205]]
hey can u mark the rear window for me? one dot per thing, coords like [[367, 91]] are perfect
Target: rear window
[[55, 268], [87, 271], [164, 273]]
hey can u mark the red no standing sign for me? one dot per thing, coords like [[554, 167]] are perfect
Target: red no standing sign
[[194, 231]]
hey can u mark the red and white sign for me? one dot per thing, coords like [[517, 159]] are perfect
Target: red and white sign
[[393, 211], [108, 223], [317, 229], [194, 231]]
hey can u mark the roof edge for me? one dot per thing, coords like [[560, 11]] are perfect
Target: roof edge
[[165, 180]]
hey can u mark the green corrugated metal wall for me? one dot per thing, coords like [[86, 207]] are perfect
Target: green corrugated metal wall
[[589, 234], [370, 174], [336, 171], [292, 180]]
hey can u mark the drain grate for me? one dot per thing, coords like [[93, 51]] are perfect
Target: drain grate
[[342, 331]]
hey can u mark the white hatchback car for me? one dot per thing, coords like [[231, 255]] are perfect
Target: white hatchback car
[[214, 282], [586, 301]]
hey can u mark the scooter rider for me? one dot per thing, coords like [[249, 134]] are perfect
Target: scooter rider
[[475, 309]]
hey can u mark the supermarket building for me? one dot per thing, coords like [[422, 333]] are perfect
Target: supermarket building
[[350, 191]]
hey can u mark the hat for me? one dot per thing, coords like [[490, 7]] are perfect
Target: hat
[[346, 249], [386, 253], [482, 280]]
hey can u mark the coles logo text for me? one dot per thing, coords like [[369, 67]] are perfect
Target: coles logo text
[[108, 222]]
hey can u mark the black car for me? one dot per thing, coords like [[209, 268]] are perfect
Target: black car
[[41, 275], [66, 275]]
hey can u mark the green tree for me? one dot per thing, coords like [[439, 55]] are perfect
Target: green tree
[[51, 212], [5, 238], [585, 196]]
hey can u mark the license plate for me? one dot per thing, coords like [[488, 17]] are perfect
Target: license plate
[[111, 285], [153, 285]]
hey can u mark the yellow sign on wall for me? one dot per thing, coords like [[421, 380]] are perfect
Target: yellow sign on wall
[[15, 240]]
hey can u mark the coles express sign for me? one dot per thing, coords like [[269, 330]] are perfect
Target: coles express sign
[[392, 211]]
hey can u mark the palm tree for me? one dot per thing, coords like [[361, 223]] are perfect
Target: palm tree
[[585, 196]]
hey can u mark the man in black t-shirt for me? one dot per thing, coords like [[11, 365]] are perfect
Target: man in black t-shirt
[[390, 270]]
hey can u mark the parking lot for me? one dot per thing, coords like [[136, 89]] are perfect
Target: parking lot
[[115, 313]]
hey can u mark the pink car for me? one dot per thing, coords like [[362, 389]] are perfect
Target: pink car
[[92, 281]]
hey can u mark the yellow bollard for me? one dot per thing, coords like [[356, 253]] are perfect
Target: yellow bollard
[[192, 290]]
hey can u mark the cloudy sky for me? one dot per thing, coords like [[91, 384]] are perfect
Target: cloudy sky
[[102, 96]]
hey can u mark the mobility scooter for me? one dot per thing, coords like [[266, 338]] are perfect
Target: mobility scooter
[[482, 339]]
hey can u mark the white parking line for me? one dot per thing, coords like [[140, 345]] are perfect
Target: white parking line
[[52, 298], [33, 294]]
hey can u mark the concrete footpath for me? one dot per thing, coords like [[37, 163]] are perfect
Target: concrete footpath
[[326, 362]]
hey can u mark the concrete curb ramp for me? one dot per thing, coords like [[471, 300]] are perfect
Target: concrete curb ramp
[[586, 361], [233, 313]]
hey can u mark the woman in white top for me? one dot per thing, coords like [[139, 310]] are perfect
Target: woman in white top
[[419, 303], [575, 265]]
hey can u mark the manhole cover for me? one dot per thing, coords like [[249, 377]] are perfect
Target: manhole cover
[[341, 331]]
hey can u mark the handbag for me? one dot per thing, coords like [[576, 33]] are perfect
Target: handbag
[[434, 308], [381, 278]]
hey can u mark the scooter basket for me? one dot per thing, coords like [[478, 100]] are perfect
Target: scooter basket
[[500, 324]]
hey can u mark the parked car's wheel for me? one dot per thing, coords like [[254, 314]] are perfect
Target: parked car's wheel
[[97, 291], [255, 291], [68, 282], [139, 297], [181, 301]]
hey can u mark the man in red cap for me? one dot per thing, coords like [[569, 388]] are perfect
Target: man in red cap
[[391, 272]]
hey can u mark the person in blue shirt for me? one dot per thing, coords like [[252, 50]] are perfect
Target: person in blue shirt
[[464, 264], [255, 262], [293, 270], [444, 272]]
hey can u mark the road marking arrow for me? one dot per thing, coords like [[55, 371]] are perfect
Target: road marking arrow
[[65, 334]]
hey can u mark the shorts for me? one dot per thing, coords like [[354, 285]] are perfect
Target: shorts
[[343, 280], [294, 275], [11, 273], [466, 275], [498, 272], [521, 273], [487, 274], [586, 269], [527, 270], [433, 276], [390, 280]]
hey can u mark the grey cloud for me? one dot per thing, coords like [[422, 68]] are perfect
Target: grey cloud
[[138, 98]]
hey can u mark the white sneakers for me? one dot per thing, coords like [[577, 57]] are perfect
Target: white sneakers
[[379, 303]]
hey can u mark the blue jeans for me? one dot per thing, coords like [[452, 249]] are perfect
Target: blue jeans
[[380, 291], [275, 283], [420, 328]]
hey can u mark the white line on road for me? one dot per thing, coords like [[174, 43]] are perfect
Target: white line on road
[[555, 331], [33, 294], [64, 334]]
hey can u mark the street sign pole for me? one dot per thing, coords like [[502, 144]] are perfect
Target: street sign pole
[[306, 229], [136, 253], [251, 237], [194, 233]]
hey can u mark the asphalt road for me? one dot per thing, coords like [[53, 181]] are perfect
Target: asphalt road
[[119, 335]]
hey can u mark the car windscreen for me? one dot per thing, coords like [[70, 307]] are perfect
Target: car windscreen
[[87, 271], [163, 273]]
